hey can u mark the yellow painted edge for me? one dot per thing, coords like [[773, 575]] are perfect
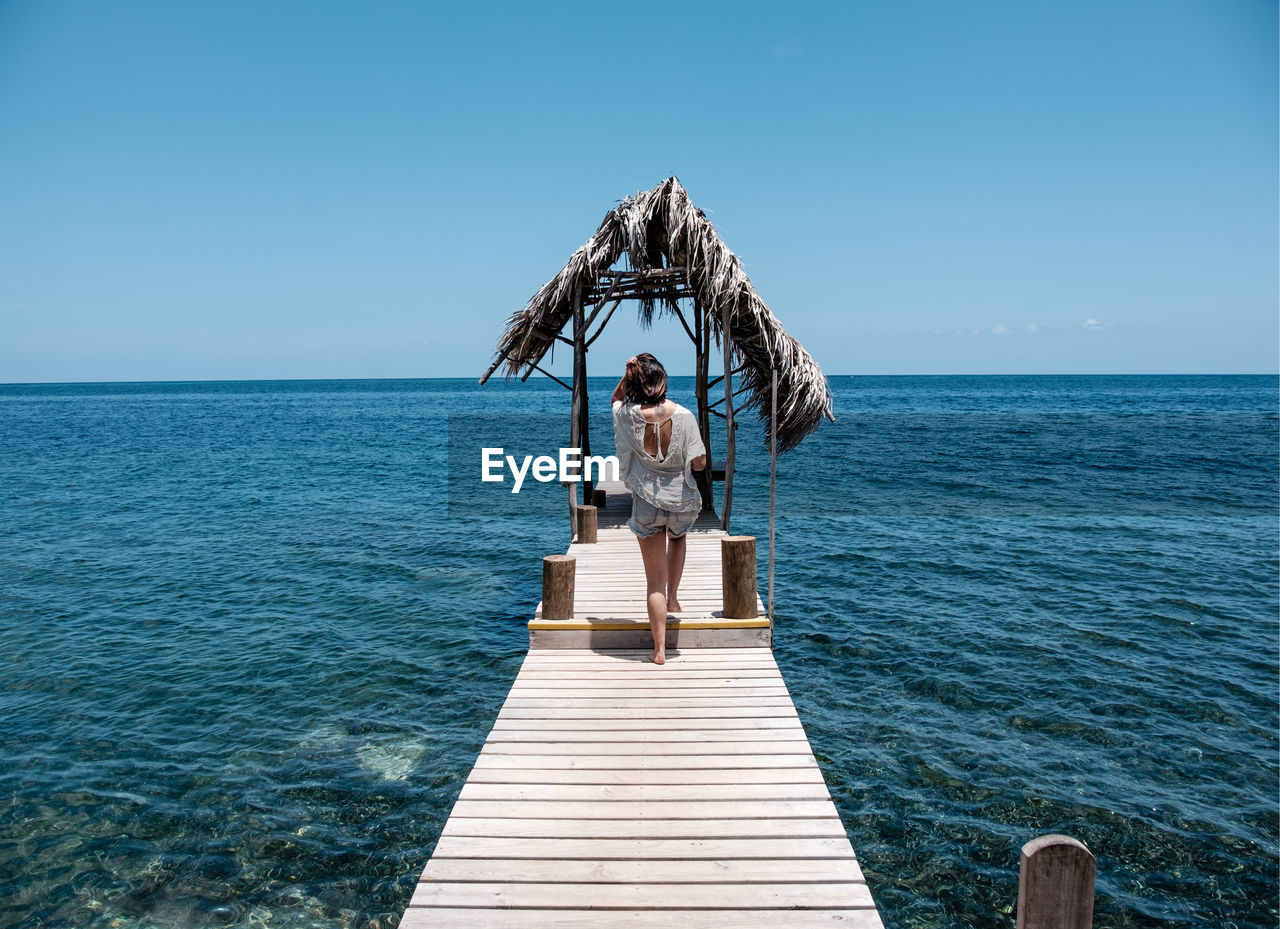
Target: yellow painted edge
[[761, 622]]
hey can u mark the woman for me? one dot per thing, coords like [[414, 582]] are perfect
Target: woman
[[658, 448]]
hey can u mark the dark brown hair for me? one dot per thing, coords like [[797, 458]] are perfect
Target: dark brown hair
[[645, 380]]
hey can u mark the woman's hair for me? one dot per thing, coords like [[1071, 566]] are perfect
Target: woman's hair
[[645, 380]]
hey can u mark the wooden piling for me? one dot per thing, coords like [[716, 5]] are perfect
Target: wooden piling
[[738, 576], [558, 573], [1055, 884], [586, 524], [598, 498]]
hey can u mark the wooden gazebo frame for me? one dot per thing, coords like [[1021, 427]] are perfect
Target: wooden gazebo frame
[[673, 254]]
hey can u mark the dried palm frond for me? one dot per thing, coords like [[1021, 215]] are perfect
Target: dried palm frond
[[663, 224]]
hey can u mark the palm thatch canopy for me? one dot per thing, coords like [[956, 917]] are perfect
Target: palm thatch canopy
[[673, 252]]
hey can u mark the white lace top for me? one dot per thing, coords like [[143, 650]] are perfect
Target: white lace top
[[666, 479]]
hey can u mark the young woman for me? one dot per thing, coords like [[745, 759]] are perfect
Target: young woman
[[658, 448]]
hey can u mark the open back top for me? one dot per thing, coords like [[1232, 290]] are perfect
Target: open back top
[[662, 476]]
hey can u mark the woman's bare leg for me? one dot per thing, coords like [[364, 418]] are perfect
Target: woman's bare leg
[[675, 570], [654, 552]]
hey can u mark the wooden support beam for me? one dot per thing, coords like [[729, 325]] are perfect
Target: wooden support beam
[[580, 436], [680, 316], [550, 375], [604, 322], [730, 439], [740, 390], [701, 364], [502, 356], [720, 377]]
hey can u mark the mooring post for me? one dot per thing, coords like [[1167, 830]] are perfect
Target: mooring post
[[738, 576], [598, 498], [1055, 884], [558, 575], [587, 524]]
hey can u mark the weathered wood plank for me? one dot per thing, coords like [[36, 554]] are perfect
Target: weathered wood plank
[[618, 722], [683, 871], [644, 736], [604, 793], [434, 917], [656, 706], [652, 672], [625, 654], [597, 749], [727, 777], [675, 682], [641, 810], [600, 896], [821, 827], [640, 762], [642, 849], [645, 693]]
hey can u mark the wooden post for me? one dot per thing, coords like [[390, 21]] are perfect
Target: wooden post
[[773, 477], [558, 574], [701, 346], [728, 427], [598, 498], [1055, 884], [579, 432], [738, 576], [587, 524]]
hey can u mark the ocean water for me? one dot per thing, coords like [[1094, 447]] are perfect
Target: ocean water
[[253, 634]]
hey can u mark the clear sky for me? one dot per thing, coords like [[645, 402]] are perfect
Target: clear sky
[[307, 189]]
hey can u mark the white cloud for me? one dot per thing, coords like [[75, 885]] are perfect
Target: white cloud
[[1001, 330], [1032, 327], [1094, 325]]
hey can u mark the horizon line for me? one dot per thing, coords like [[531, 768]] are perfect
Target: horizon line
[[286, 380]]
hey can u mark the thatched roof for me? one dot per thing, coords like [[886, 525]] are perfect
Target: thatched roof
[[661, 226]]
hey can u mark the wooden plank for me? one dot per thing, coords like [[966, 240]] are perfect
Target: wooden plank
[[809, 871], [654, 706], [822, 827], [617, 722], [643, 762], [654, 849], [538, 692], [636, 811], [676, 683], [724, 678], [599, 749], [672, 674], [645, 736], [727, 778], [605, 793], [608, 657], [435, 917], [675, 663], [597, 896]]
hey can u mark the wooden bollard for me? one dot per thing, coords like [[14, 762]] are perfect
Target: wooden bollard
[[738, 576], [1055, 884], [586, 523], [598, 497], [558, 574]]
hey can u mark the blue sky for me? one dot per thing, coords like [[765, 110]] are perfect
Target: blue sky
[[261, 190]]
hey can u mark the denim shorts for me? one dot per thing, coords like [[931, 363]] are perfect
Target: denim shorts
[[646, 519]]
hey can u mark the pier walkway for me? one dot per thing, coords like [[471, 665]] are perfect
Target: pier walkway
[[614, 792]]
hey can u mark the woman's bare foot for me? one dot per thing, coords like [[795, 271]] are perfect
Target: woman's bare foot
[[673, 606], [659, 657]]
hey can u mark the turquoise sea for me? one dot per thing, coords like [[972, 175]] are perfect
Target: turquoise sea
[[253, 634]]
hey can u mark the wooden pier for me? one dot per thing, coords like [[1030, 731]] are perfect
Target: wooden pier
[[615, 792]]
